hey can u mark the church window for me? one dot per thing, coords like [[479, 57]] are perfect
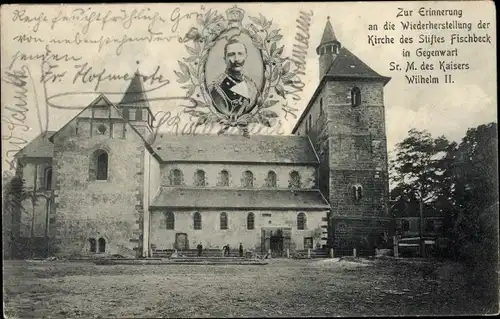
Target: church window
[[357, 192], [301, 221], [294, 180], [170, 220], [405, 225], [355, 96], [138, 114], [176, 177], [248, 179], [224, 178], [102, 245], [321, 106], [101, 129], [131, 114], [48, 178], [102, 166], [271, 179], [99, 165], [223, 220], [310, 122], [250, 221], [93, 245], [200, 178], [197, 220]]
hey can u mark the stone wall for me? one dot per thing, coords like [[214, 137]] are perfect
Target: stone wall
[[212, 236], [236, 171], [110, 209]]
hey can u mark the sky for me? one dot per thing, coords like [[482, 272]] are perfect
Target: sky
[[442, 109]]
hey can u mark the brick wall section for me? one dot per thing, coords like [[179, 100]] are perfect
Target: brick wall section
[[109, 209]]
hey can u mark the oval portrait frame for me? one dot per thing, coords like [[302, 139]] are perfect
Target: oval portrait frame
[[205, 85], [276, 69]]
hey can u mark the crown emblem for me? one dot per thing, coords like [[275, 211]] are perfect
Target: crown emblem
[[235, 14]]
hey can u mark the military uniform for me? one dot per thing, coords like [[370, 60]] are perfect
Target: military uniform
[[231, 96]]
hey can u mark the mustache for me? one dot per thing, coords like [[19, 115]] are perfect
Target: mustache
[[237, 63]]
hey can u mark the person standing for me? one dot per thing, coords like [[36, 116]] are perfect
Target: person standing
[[241, 250], [200, 249]]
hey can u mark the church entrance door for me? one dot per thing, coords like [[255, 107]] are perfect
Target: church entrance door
[[181, 241], [276, 243]]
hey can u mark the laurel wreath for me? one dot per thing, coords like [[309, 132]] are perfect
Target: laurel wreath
[[277, 71]]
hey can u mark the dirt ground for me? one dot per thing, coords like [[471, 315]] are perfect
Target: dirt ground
[[283, 288]]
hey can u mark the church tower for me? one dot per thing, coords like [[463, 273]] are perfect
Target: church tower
[[328, 49], [345, 120], [135, 106]]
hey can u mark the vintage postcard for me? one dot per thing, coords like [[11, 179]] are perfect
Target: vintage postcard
[[249, 159]]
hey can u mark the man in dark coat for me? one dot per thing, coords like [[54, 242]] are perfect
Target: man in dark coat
[[200, 249], [241, 250]]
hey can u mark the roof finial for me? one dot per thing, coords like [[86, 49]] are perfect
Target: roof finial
[[328, 18], [137, 71]]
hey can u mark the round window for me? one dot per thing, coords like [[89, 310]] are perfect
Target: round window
[[101, 129]]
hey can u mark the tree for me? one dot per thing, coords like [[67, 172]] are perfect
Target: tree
[[420, 171], [13, 194], [475, 174]]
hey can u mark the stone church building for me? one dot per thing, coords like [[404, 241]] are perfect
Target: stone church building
[[98, 185]]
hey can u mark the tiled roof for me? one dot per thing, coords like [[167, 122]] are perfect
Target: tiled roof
[[135, 95], [235, 148], [40, 146], [204, 198], [347, 64]]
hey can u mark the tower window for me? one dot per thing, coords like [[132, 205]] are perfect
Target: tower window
[[357, 192], [310, 122], [138, 114], [99, 165], [48, 178], [355, 96], [321, 106]]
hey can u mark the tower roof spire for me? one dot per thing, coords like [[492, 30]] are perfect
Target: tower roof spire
[[135, 95], [328, 34]]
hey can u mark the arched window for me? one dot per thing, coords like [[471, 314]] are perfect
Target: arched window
[[224, 178], [197, 220], [355, 96], [301, 221], [294, 180], [102, 245], [250, 221], [99, 165], [271, 179], [199, 178], [357, 192], [321, 106], [93, 245], [310, 122], [223, 220], [48, 178], [170, 220], [248, 179], [176, 177]]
